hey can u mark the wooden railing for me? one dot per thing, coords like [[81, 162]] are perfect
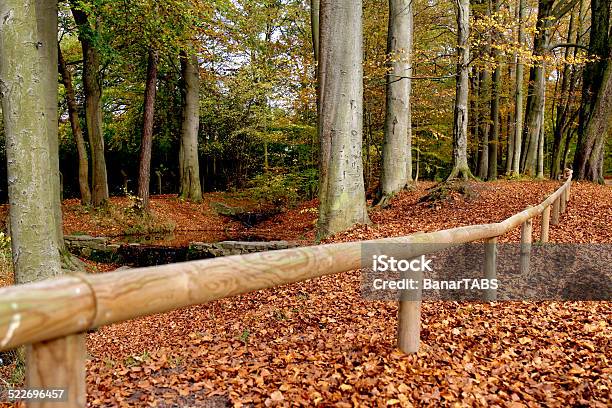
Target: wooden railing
[[50, 316]]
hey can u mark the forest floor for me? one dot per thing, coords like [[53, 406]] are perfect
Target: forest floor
[[320, 342]]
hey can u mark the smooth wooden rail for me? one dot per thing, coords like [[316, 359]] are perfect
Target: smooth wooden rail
[[58, 308]]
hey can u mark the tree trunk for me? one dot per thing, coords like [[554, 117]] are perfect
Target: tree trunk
[[314, 26], [494, 122], [46, 20], [460, 116], [596, 105], [518, 95], [474, 117], [484, 104], [92, 88], [77, 132], [563, 106], [534, 115], [189, 166], [341, 192], [510, 121], [396, 143], [540, 173], [34, 241], [144, 168]]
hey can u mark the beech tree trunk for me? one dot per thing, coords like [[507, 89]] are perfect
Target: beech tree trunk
[[510, 120], [563, 105], [518, 94], [77, 132], [534, 115], [92, 88], [314, 26], [36, 253], [484, 105], [189, 166], [596, 105], [341, 192], [397, 137], [144, 168], [494, 132], [460, 116], [46, 21]]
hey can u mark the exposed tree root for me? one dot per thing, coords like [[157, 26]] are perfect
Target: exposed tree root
[[449, 190]]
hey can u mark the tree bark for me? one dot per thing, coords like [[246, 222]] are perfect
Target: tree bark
[[460, 116], [397, 140], [596, 105], [541, 140], [46, 20], [510, 120], [144, 168], [534, 115], [484, 104], [314, 26], [189, 166], [494, 132], [518, 95], [563, 106], [92, 88], [34, 241], [341, 192], [77, 132]]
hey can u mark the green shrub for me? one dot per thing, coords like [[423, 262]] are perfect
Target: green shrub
[[284, 190]]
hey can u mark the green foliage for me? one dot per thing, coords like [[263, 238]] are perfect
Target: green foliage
[[6, 260], [284, 190], [133, 361], [244, 337]]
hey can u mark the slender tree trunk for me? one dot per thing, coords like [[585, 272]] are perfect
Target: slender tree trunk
[[394, 175], [341, 192], [36, 252], [460, 116], [596, 105], [541, 141], [474, 117], [518, 99], [510, 122], [314, 26], [77, 132], [92, 88], [409, 49], [563, 106], [144, 168], [534, 115], [494, 132], [484, 104], [189, 164]]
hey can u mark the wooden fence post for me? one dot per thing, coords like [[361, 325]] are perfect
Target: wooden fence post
[[409, 315], [526, 231], [490, 266], [545, 225], [563, 198], [58, 364], [409, 326], [555, 212]]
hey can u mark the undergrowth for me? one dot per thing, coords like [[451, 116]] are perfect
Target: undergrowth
[[130, 219]]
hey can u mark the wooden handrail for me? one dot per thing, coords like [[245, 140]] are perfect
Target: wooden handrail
[[66, 305]]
